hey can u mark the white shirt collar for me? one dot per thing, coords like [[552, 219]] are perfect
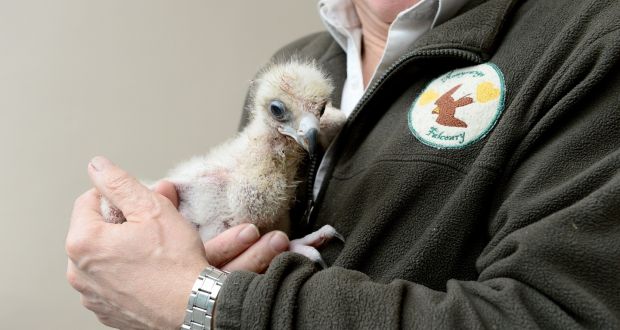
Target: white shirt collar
[[342, 22]]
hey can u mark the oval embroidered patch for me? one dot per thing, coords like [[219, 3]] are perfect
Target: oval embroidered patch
[[458, 108]]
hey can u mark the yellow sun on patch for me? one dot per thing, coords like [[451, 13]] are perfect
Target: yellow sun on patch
[[486, 92], [428, 97]]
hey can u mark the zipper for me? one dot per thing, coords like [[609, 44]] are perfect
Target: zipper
[[371, 91], [312, 168]]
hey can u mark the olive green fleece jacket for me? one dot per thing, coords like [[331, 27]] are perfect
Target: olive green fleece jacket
[[518, 230]]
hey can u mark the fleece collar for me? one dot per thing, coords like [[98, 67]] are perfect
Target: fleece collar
[[476, 28]]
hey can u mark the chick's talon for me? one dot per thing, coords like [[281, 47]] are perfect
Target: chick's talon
[[321, 236], [308, 252], [307, 245]]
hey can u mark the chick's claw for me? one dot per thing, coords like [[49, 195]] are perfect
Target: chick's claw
[[309, 252], [307, 245]]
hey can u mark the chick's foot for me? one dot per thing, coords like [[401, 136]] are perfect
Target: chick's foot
[[307, 245]]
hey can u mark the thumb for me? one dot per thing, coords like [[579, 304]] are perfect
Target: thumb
[[124, 191], [168, 190]]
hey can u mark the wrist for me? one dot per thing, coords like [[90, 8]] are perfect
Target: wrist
[[201, 305]]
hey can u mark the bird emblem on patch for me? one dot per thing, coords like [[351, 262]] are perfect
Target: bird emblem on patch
[[458, 108], [446, 106]]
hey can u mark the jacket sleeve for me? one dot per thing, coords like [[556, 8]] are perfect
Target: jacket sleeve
[[552, 261]]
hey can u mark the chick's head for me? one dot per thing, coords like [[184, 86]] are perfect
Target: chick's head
[[290, 98]]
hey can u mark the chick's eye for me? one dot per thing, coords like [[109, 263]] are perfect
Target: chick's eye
[[278, 110]]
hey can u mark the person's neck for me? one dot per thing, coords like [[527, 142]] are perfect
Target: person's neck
[[374, 38]]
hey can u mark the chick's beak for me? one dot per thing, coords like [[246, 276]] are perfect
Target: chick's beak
[[308, 141], [307, 133]]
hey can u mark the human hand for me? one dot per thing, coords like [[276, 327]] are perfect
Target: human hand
[[139, 274], [240, 247], [135, 275]]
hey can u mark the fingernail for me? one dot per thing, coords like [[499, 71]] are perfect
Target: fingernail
[[249, 234], [279, 242], [99, 163]]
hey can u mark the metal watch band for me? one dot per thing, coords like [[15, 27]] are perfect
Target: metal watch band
[[202, 299]]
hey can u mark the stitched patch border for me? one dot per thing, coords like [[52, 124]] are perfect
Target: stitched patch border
[[458, 108]]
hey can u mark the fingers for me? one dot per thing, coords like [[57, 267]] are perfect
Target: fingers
[[168, 190], [73, 277], [86, 208], [125, 192], [79, 279], [258, 257], [242, 248], [86, 219], [231, 243]]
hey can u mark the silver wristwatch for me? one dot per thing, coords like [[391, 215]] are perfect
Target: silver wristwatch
[[202, 299]]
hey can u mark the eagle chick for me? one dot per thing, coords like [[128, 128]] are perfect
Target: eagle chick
[[253, 177]]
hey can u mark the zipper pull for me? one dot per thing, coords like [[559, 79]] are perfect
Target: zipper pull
[[308, 212]]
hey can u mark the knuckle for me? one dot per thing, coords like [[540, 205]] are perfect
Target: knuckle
[[84, 200], [79, 201], [74, 281], [147, 208], [261, 261], [217, 258], [262, 266], [105, 320], [225, 252], [75, 247], [110, 321], [163, 201], [92, 303], [118, 182], [152, 208], [79, 245], [83, 242], [87, 303]]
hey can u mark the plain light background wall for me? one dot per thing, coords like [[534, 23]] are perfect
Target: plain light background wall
[[147, 83]]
